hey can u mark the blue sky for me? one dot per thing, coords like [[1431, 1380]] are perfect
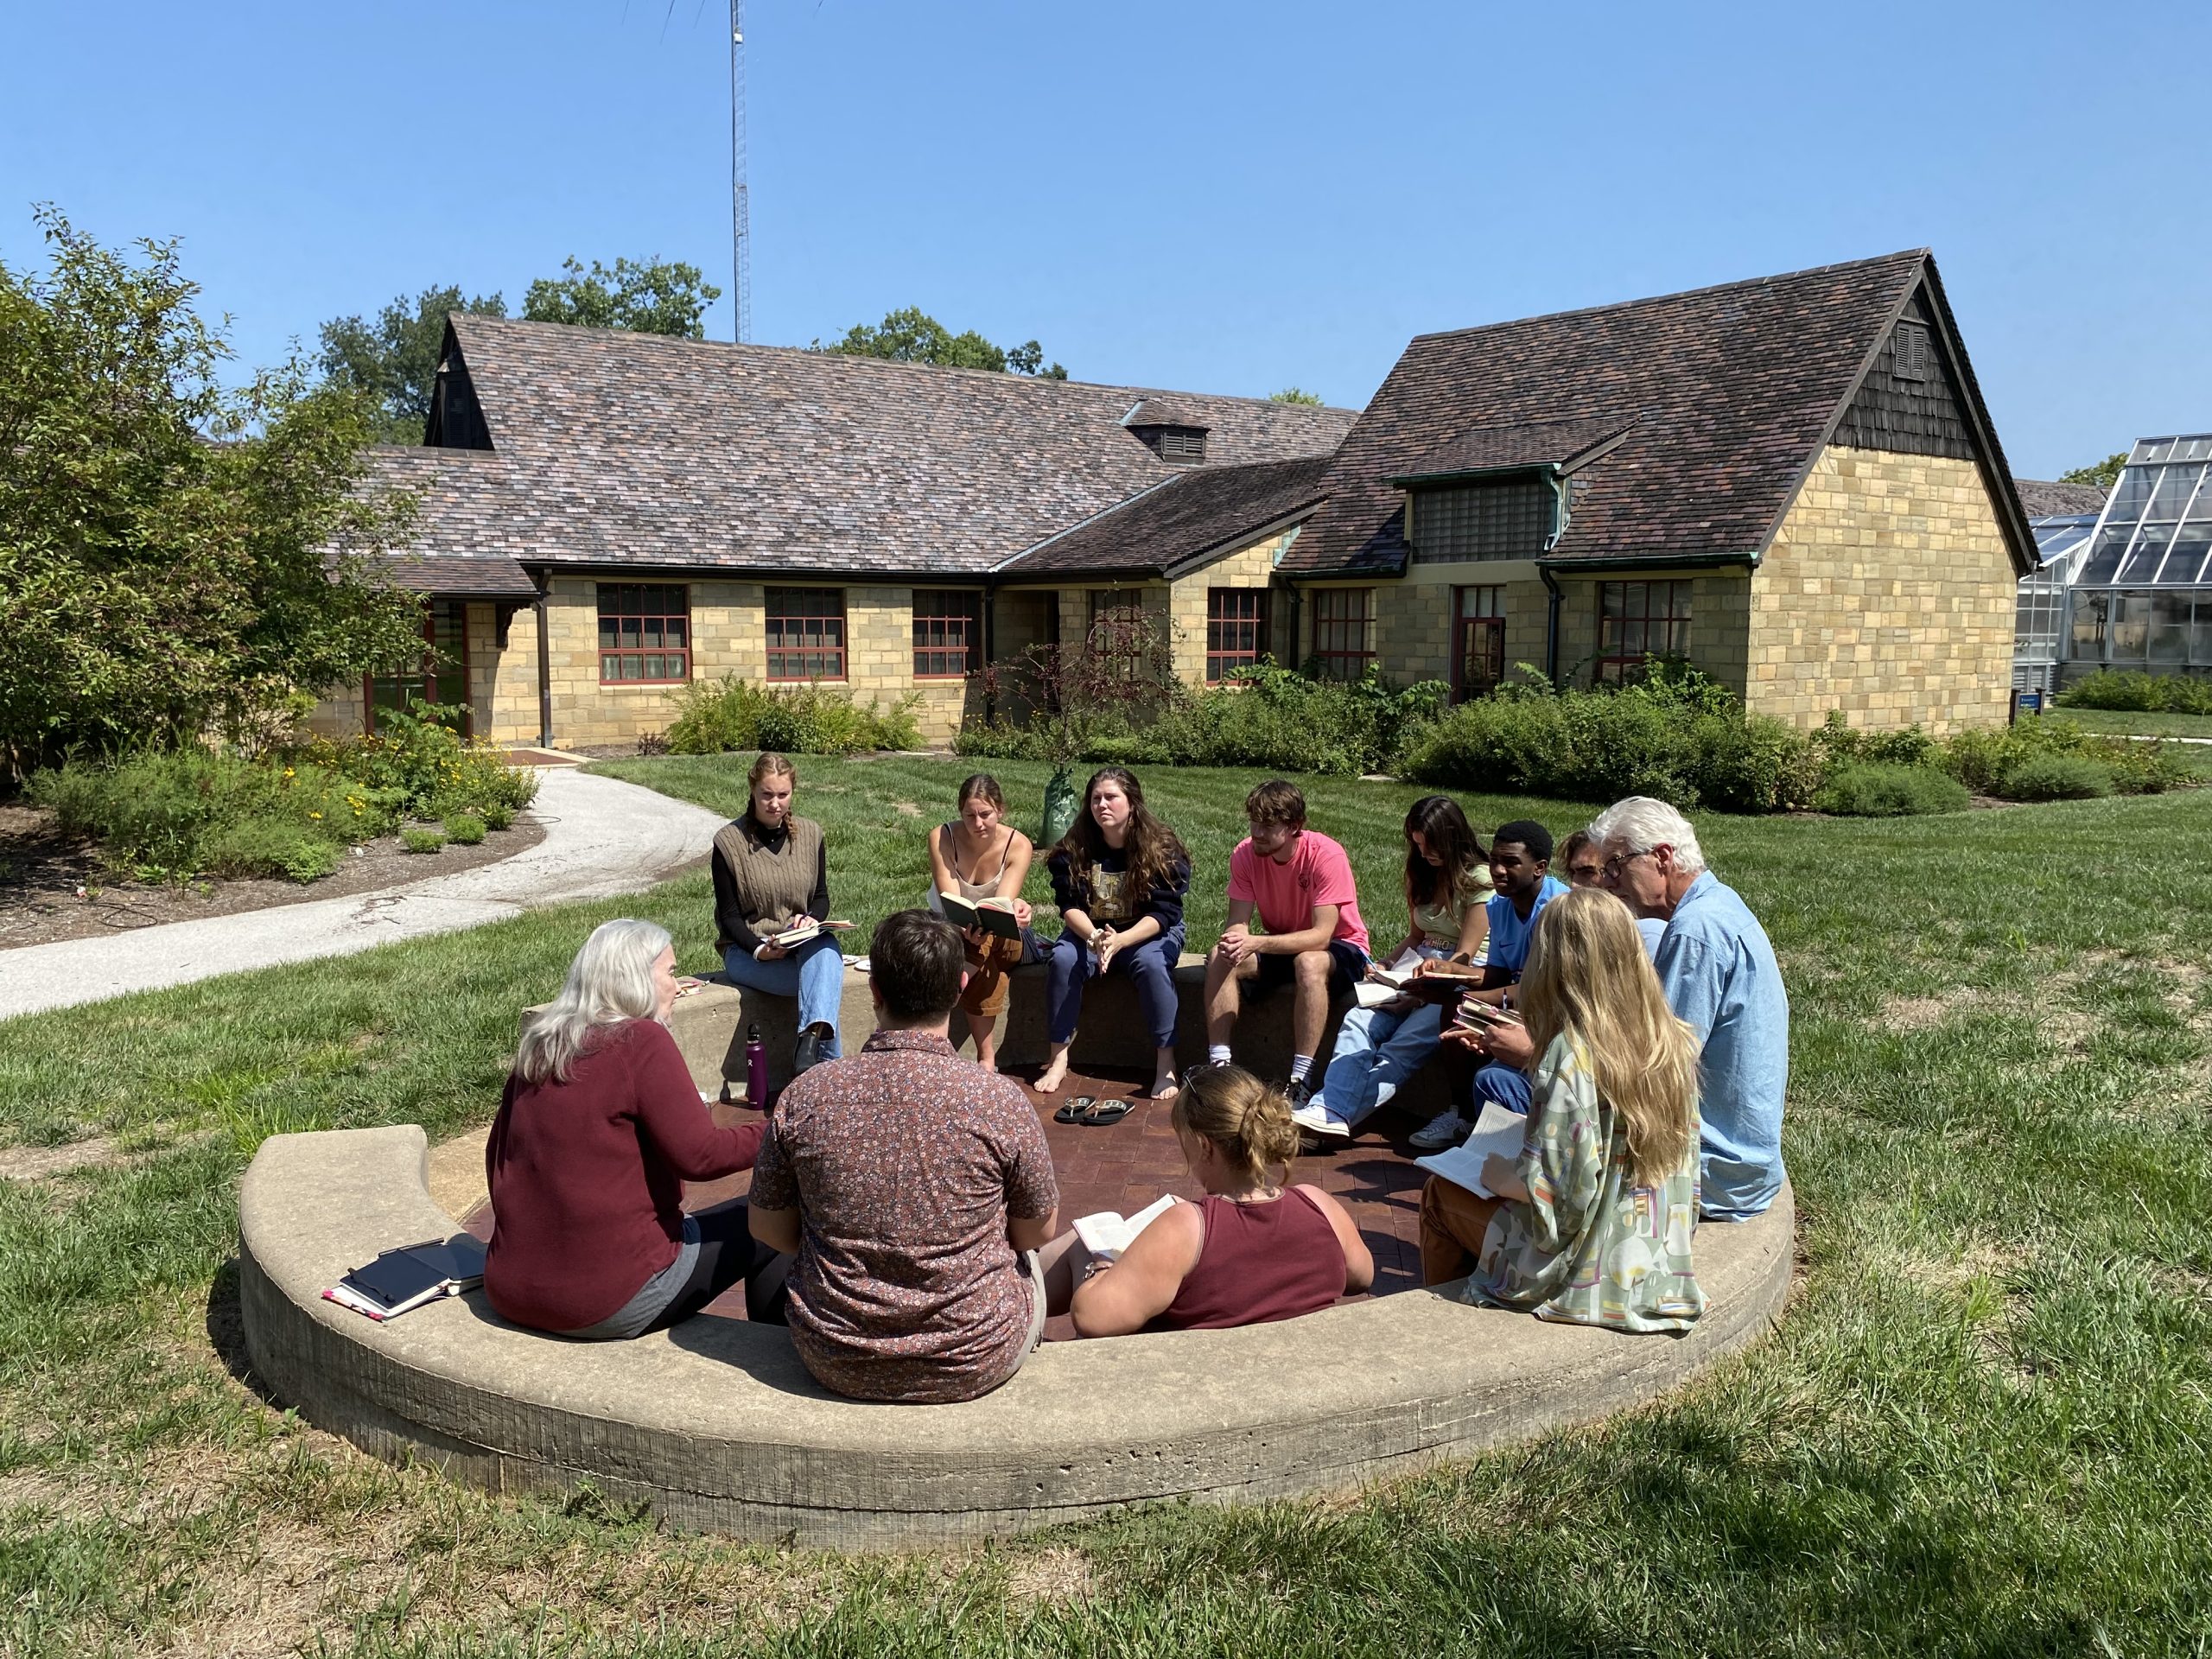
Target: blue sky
[[1226, 197]]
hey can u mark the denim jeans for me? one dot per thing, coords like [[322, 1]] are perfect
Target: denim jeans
[[1506, 1084], [814, 974], [1377, 1051], [1071, 967]]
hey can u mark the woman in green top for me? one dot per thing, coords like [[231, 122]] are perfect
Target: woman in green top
[[1599, 1209]]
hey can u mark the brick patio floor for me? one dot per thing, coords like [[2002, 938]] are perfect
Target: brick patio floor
[[1127, 1166]]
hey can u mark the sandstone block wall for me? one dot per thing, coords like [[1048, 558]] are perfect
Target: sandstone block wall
[[1888, 593]]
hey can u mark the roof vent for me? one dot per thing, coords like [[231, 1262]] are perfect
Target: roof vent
[[1909, 354], [1176, 437]]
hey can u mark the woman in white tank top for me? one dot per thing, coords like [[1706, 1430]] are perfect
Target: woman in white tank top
[[979, 855]]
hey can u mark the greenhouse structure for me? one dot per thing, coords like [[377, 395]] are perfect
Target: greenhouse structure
[[2140, 592]]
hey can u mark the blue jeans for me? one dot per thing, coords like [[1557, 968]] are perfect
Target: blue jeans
[[1071, 967], [1506, 1084], [814, 974], [1377, 1051]]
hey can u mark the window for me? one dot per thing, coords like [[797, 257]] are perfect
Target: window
[[1237, 630], [1343, 631], [948, 632], [1908, 356], [441, 675], [1500, 519], [644, 634], [1637, 619], [1479, 642], [806, 634], [1121, 635]]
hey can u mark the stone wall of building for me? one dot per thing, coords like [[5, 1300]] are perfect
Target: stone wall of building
[[1888, 593], [1247, 566]]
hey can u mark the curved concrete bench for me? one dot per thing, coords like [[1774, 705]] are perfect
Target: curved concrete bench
[[718, 1426]]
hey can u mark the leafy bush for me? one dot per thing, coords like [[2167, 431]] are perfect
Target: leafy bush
[[724, 715], [1986, 761], [2054, 777], [2136, 693], [464, 829], [416, 840], [1264, 716], [167, 815], [418, 766], [1883, 790], [497, 817], [269, 846], [1680, 737]]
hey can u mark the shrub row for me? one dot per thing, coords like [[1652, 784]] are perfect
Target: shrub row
[[1266, 716], [2134, 693], [167, 815], [725, 716]]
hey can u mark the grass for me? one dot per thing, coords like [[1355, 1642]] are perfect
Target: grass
[[1982, 1428], [2136, 724]]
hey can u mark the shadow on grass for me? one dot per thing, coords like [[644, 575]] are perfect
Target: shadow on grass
[[226, 1327]]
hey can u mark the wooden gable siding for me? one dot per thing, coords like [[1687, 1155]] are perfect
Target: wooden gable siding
[[1908, 417]]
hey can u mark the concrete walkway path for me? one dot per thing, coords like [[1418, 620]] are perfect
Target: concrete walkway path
[[602, 837]]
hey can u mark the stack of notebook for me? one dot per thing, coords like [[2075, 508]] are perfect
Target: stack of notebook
[[411, 1275]]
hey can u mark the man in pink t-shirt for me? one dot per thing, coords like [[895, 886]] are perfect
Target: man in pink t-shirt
[[1299, 884]]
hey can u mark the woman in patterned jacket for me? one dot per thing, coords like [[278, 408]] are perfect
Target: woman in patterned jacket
[[1593, 1222]]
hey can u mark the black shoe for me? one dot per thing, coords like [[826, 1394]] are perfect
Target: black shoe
[[1298, 1091], [807, 1052]]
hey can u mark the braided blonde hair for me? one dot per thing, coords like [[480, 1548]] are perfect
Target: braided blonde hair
[[1249, 1123]]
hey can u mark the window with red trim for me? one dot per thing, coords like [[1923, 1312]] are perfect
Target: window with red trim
[[644, 634], [1237, 630], [1637, 619], [1479, 641], [806, 634], [1343, 631], [441, 677], [948, 632]]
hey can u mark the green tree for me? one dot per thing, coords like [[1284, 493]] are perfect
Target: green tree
[[395, 360], [175, 556], [656, 296], [2104, 474], [1292, 395], [911, 335]]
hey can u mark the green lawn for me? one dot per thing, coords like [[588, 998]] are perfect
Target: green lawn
[[2137, 725], [1982, 1428]]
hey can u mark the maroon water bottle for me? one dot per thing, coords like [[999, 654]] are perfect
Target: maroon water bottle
[[756, 1068]]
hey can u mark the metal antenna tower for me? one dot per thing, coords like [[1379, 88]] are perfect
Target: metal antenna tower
[[740, 231]]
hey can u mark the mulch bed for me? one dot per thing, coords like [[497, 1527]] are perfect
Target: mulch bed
[[52, 886]]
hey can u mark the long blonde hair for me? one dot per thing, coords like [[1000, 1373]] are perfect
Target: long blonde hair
[[1588, 976]]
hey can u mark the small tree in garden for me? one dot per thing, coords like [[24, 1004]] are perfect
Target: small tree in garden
[[174, 554]]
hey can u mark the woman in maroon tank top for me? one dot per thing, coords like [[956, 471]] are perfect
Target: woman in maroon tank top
[[1253, 1251]]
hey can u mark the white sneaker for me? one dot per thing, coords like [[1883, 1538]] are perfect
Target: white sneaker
[[1314, 1119], [1447, 1129]]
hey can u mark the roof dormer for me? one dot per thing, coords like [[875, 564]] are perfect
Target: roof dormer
[[1176, 437]]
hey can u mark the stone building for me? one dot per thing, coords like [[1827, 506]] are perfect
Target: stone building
[[1792, 482]]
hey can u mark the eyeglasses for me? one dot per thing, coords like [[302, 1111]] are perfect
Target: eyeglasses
[[1620, 861]]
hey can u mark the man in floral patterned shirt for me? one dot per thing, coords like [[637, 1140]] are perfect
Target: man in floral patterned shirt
[[915, 1188]]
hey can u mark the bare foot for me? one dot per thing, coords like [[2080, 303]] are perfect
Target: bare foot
[[1055, 1075], [987, 1058], [1166, 1086]]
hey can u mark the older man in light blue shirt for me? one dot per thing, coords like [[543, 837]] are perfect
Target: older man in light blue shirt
[[1720, 977]]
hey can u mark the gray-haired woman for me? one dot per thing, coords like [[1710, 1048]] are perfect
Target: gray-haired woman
[[598, 1130]]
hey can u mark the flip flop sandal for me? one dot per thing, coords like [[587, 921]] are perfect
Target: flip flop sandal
[[1073, 1111], [1107, 1112]]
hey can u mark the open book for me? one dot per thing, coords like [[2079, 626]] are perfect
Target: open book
[[1106, 1234], [1404, 978], [805, 929], [412, 1275], [1497, 1130], [994, 916]]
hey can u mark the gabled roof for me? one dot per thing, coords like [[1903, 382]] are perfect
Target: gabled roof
[[618, 449], [465, 542], [1183, 521], [1527, 444], [1733, 391], [2041, 500]]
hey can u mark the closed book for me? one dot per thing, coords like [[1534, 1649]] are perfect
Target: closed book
[[410, 1275]]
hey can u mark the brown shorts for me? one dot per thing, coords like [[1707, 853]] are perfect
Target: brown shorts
[[984, 994]]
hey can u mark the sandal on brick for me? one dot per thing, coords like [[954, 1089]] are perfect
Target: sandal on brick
[[1107, 1112], [1073, 1111]]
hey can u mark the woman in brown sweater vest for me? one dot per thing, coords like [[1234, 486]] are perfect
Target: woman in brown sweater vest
[[773, 869]]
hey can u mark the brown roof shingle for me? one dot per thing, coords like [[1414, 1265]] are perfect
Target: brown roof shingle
[[1208, 509], [2045, 499], [625, 448], [1732, 390]]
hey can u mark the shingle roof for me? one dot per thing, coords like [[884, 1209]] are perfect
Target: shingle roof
[[628, 449], [2044, 499], [1532, 444], [464, 538], [1733, 389], [1211, 509]]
